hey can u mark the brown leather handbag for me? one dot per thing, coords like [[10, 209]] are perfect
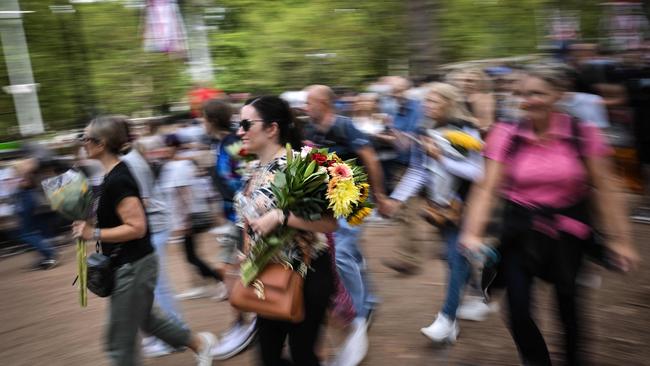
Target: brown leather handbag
[[277, 293]]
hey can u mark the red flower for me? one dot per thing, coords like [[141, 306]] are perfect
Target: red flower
[[243, 153], [329, 163], [319, 158]]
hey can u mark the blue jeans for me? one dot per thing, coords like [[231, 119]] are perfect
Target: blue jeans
[[459, 272], [37, 241], [163, 293], [351, 267]]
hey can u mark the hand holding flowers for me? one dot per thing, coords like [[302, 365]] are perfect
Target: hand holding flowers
[[268, 222], [82, 230]]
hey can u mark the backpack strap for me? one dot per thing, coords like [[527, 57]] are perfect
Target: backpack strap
[[576, 137]]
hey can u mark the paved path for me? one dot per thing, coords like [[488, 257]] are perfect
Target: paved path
[[41, 322]]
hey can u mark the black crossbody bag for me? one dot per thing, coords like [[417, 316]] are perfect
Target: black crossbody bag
[[101, 273]]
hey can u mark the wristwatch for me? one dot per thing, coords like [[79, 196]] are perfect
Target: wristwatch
[[96, 234]]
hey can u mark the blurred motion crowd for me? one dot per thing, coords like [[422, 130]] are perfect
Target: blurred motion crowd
[[555, 141]]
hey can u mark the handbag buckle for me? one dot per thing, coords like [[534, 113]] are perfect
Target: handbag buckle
[[259, 289]]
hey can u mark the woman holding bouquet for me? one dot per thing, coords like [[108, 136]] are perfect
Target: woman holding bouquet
[[267, 125], [124, 236], [447, 178], [546, 169]]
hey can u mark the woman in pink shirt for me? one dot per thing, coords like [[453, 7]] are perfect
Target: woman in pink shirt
[[546, 169]]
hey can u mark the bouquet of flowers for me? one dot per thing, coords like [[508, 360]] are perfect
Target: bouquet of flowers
[[70, 195], [455, 143], [237, 152], [313, 183], [462, 141]]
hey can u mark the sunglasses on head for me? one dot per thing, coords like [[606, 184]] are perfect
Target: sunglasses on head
[[246, 124]]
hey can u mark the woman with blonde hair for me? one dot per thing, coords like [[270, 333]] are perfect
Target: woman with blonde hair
[[447, 177]]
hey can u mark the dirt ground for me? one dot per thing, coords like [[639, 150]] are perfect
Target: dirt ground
[[41, 322]]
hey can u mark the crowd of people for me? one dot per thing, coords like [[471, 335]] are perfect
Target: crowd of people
[[528, 156]]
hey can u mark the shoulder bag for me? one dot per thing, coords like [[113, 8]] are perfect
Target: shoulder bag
[[101, 273]]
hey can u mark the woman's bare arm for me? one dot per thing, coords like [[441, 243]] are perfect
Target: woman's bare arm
[[480, 204], [612, 209]]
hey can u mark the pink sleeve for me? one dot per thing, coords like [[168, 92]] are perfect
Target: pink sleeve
[[594, 142], [498, 141]]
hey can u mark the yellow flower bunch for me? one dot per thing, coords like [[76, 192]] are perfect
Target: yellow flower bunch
[[463, 140], [342, 194], [357, 217]]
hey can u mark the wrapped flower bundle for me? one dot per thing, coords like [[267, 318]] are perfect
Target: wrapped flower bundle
[[70, 195], [462, 141]]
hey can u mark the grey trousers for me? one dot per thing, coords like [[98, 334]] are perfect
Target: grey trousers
[[131, 309]]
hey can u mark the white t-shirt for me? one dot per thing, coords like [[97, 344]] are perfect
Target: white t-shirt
[[176, 174]]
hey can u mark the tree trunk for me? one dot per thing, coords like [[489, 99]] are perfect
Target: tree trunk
[[422, 36]]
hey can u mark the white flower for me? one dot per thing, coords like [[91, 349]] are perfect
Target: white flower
[[323, 170], [305, 151]]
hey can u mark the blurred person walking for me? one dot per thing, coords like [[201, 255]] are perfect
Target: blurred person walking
[[267, 125], [404, 115], [124, 236], [338, 134], [26, 206], [479, 101], [447, 180], [159, 220], [545, 169], [178, 179], [217, 118]]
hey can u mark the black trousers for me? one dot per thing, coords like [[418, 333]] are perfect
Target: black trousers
[[190, 254], [556, 261], [318, 289]]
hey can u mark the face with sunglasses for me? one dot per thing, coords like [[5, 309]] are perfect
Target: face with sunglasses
[[254, 133], [91, 144]]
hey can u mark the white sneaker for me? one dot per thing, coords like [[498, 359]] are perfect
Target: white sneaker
[[474, 308], [443, 329], [234, 340], [148, 341], [194, 293], [203, 357], [355, 348], [156, 348], [220, 292]]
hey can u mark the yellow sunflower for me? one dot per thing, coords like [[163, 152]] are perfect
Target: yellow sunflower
[[364, 192], [357, 218]]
